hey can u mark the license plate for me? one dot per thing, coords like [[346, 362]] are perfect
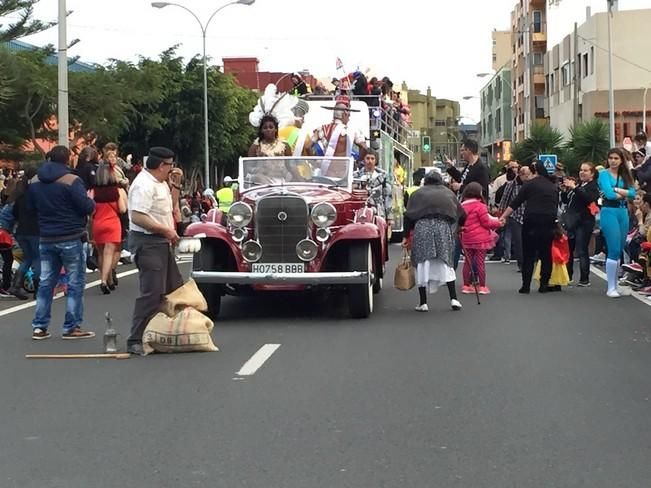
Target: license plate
[[278, 267]]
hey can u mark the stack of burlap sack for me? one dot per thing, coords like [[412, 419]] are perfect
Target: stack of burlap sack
[[180, 326]]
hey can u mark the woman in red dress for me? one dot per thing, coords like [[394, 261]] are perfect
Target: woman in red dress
[[110, 202]]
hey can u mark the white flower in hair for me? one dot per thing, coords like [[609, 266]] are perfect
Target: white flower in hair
[[273, 103]]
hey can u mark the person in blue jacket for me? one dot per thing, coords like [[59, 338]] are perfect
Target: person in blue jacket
[[617, 187]]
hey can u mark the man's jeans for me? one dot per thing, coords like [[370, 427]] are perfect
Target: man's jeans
[[54, 255]]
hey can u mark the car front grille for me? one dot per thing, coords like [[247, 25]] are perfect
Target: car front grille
[[281, 223]]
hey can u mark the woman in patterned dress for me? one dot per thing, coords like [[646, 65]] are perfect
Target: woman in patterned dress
[[433, 213]]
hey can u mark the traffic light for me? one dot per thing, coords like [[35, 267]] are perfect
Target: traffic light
[[427, 146]]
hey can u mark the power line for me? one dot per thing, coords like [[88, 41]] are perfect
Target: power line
[[621, 58]]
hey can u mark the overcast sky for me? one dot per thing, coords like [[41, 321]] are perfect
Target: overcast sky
[[437, 43]]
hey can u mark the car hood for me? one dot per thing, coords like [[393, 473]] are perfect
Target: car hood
[[311, 193]]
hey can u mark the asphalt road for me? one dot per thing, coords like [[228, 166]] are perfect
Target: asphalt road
[[520, 391]]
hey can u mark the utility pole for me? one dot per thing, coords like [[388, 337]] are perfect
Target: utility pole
[[62, 58], [611, 92], [577, 78]]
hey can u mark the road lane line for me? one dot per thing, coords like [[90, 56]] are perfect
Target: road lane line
[[637, 296], [258, 359], [92, 284]]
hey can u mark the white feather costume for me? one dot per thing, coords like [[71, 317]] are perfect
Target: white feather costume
[[273, 103]]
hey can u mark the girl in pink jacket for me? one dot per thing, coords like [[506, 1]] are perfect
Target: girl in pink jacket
[[477, 237]]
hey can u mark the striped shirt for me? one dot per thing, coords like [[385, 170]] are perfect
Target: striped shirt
[[511, 191]]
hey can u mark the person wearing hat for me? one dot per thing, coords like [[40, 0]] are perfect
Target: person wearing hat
[[336, 139], [294, 135], [642, 168], [225, 195], [152, 236]]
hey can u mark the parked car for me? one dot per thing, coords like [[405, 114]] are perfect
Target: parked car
[[297, 224]]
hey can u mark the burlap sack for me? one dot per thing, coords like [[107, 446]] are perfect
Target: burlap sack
[[186, 296], [189, 330], [405, 277]]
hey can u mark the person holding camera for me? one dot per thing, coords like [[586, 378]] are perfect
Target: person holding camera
[[578, 220]]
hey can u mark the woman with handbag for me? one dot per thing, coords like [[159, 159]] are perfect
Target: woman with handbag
[[110, 203], [617, 186], [578, 220], [433, 214]]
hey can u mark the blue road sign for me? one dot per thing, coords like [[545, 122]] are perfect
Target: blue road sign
[[549, 161]]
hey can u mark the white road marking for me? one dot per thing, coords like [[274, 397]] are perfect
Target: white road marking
[[258, 359], [637, 296], [24, 306]]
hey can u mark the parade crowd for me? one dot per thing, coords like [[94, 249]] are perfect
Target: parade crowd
[[550, 224]]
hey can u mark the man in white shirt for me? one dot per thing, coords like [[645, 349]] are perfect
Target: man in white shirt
[[152, 236]]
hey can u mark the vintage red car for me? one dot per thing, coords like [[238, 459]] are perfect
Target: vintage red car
[[296, 224]]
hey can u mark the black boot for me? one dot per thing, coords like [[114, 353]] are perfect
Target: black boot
[[16, 288]]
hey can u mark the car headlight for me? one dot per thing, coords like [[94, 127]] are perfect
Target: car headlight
[[306, 250], [238, 234], [322, 234], [324, 214], [240, 214], [251, 251]]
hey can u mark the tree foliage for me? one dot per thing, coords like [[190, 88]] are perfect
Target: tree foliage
[[25, 25], [543, 140], [139, 105], [589, 141]]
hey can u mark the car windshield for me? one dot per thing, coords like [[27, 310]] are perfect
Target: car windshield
[[291, 171]]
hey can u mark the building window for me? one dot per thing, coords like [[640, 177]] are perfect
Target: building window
[[494, 42], [565, 74], [498, 120], [552, 88], [585, 65], [540, 106], [537, 21], [494, 58], [592, 60], [547, 85], [638, 127], [440, 123], [537, 59]]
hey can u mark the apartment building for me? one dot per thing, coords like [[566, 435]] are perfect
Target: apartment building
[[436, 118], [576, 72], [501, 48], [496, 119], [528, 48]]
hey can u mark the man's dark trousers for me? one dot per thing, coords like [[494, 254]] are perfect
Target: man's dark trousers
[[159, 275]]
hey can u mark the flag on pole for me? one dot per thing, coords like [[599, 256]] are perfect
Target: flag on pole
[[340, 64]]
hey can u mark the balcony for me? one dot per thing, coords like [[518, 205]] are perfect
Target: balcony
[[539, 75], [539, 33]]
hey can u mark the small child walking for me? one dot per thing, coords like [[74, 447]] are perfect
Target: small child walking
[[560, 257], [477, 237]]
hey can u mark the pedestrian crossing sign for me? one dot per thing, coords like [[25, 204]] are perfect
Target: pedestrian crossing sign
[[549, 161]]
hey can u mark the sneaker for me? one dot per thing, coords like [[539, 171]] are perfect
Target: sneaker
[[484, 290], [506, 261], [633, 268], [524, 291], [40, 334], [613, 294], [78, 333], [456, 305], [419, 308], [644, 290], [598, 258], [137, 350], [494, 259], [468, 289], [583, 284], [5, 294]]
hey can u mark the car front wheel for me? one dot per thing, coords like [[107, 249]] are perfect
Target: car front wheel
[[206, 260], [360, 297]]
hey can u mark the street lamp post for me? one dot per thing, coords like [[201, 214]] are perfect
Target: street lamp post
[[646, 89], [62, 59], [611, 91], [204, 30]]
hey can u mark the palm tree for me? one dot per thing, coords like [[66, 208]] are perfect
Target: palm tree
[[543, 140], [589, 141]]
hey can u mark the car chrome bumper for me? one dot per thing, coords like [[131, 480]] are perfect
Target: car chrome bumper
[[236, 278]]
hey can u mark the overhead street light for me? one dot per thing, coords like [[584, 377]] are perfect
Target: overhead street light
[[204, 30]]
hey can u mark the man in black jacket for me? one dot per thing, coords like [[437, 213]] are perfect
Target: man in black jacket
[[473, 171]]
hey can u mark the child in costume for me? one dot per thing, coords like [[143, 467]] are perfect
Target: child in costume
[[560, 258]]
